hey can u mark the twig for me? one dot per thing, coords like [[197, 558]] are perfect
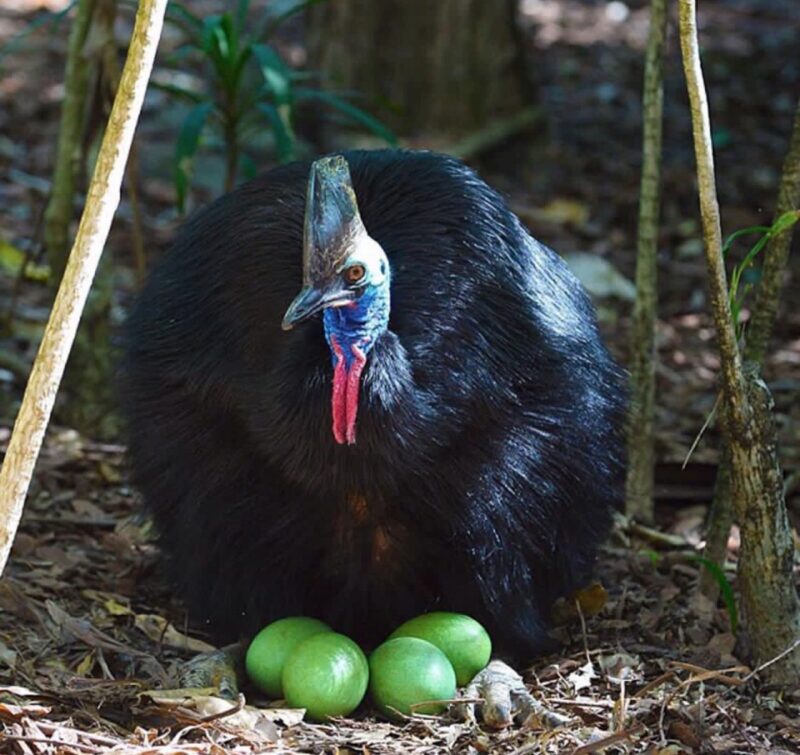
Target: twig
[[654, 684], [240, 701], [777, 658], [660, 538], [611, 739], [700, 674], [45, 741], [709, 419], [49, 728], [583, 631]]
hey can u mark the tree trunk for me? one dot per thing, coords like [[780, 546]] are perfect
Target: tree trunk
[[639, 482], [757, 337], [767, 585], [766, 556], [445, 67]]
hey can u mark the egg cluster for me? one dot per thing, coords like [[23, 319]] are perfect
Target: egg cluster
[[417, 669]]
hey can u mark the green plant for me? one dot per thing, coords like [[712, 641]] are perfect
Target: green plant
[[725, 589], [744, 275], [248, 85]]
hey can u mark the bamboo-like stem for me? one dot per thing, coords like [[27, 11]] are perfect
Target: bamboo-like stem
[[776, 256], [731, 362], [101, 203], [639, 482], [58, 215], [88, 385]]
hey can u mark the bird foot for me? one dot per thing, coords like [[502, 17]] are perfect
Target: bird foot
[[505, 700], [217, 669]]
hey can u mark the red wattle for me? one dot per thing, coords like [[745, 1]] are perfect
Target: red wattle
[[339, 394], [353, 384], [344, 398]]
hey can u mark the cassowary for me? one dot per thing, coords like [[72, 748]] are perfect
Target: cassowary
[[432, 423]]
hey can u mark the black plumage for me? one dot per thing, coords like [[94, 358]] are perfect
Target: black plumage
[[489, 453]]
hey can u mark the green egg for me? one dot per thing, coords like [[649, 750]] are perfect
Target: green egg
[[271, 647], [407, 671], [327, 675], [462, 639]]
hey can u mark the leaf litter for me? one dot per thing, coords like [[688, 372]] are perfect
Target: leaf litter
[[91, 642]]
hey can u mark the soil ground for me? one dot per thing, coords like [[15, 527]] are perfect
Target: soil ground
[[89, 631]]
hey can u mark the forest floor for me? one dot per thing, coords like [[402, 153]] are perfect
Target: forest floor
[[89, 633]]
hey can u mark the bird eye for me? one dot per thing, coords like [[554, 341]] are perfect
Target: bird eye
[[354, 273]]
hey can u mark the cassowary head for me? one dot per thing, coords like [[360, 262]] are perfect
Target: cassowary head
[[346, 276]]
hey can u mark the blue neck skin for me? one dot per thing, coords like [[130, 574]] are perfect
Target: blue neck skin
[[360, 323]]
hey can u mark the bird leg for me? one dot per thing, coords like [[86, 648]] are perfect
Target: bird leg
[[505, 699], [217, 669]]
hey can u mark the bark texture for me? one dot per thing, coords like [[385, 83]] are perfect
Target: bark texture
[[101, 204], [88, 402], [768, 595], [69, 149], [639, 481], [766, 556], [449, 66], [776, 255], [718, 526], [758, 335]]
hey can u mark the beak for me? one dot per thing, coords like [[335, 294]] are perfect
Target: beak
[[310, 301]]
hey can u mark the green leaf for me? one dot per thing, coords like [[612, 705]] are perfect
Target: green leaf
[[281, 129], [13, 260], [721, 139], [175, 90], [784, 222], [743, 232], [725, 589], [182, 17], [178, 55], [247, 167], [277, 75], [735, 299], [221, 45], [279, 11], [349, 110], [242, 8], [654, 556], [186, 148]]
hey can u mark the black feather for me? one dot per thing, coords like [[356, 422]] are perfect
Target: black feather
[[489, 450]]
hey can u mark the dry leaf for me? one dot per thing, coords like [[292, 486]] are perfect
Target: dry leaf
[[582, 677], [159, 630], [592, 599], [621, 667]]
